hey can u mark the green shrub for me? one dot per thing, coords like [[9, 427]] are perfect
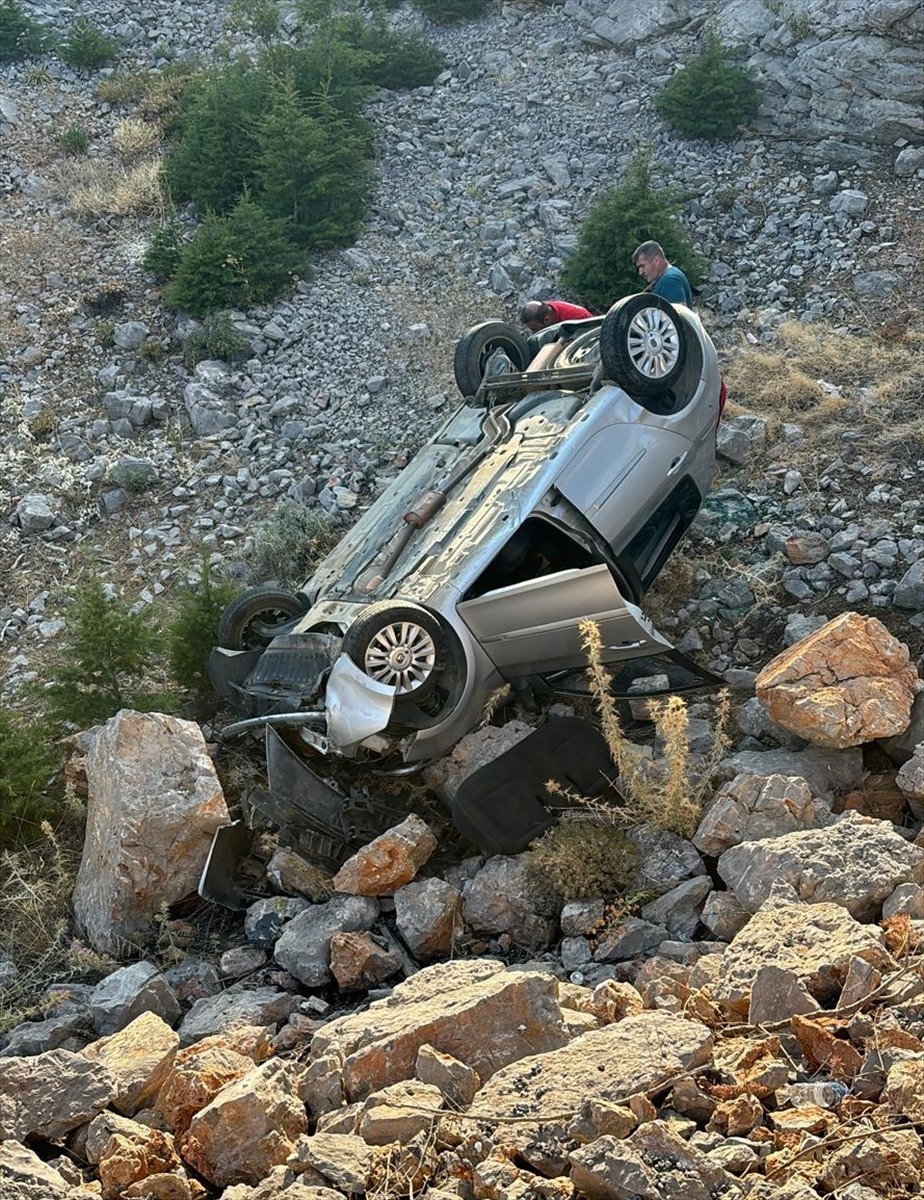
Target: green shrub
[[259, 17], [75, 140], [164, 251], [601, 269], [314, 169], [20, 35], [451, 10], [709, 97], [291, 541], [216, 337], [193, 631], [392, 59], [106, 654], [213, 160], [27, 765], [584, 858], [234, 261], [134, 476], [84, 46]]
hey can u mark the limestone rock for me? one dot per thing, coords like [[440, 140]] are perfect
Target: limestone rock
[[635, 1055], [251, 1126], [197, 1075], [857, 861], [357, 961], [399, 1111], [50, 1094], [652, 1161], [388, 862], [475, 1011], [138, 1058], [456, 1080], [428, 913], [848, 683], [751, 807], [815, 942], [154, 803]]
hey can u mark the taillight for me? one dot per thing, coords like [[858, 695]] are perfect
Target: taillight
[[723, 397]]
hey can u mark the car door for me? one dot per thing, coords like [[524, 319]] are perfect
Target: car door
[[532, 627]]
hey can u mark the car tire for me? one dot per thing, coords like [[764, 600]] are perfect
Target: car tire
[[643, 343], [252, 620], [582, 351], [401, 645], [475, 348]]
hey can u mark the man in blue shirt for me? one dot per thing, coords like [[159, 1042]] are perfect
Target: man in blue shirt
[[663, 279]]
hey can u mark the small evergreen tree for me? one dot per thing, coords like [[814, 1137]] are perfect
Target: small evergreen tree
[[709, 97], [313, 168], [214, 159], [193, 631], [451, 10], [20, 36], [27, 763], [84, 46], [601, 269], [235, 261], [164, 251], [106, 654]]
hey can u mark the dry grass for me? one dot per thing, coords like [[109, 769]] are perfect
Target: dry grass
[[818, 377], [94, 189], [669, 793], [36, 884], [133, 138]]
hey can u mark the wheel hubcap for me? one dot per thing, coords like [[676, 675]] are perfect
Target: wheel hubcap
[[653, 343], [402, 655]]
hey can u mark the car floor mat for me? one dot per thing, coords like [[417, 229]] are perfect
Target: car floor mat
[[503, 806]]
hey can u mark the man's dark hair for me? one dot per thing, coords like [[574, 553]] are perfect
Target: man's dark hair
[[650, 250], [534, 310]]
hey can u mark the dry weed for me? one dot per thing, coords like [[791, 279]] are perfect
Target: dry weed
[[814, 374], [95, 190], [36, 884], [133, 138], [669, 793]]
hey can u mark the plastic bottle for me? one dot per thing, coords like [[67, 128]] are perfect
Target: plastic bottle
[[822, 1093]]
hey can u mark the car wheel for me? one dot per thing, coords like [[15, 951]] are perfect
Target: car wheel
[[475, 348], [252, 620], [643, 344], [412, 650], [584, 351]]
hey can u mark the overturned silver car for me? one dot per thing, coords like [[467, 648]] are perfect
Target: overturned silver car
[[555, 492]]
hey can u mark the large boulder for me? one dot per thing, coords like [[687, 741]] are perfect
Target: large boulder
[[847, 683], [154, 804]]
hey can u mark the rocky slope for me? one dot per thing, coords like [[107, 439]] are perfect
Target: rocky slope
[[563, 1050]]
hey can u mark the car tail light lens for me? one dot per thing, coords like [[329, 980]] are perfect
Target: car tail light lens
[[723, 397]]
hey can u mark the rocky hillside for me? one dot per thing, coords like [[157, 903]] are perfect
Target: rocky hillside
[[746, 1019]]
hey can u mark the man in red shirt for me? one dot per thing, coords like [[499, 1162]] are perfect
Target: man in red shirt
[[538, 314]]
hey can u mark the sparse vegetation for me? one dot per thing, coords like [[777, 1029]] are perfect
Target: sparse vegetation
[[669, 793], [133, 137], [584, 858], [99, 190], [291, 540], [85, 47], [162, 257], [216, 337], [20, 35], [75, 140], [451, 10], [105, 659], [193, 631], [709, 97], [259, 17], [601, 269], [27, 766], [821, 377]]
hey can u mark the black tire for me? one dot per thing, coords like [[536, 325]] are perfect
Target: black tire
[[430, 673], [252, 620], [643, 344], [475, 348], [582, 351]]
